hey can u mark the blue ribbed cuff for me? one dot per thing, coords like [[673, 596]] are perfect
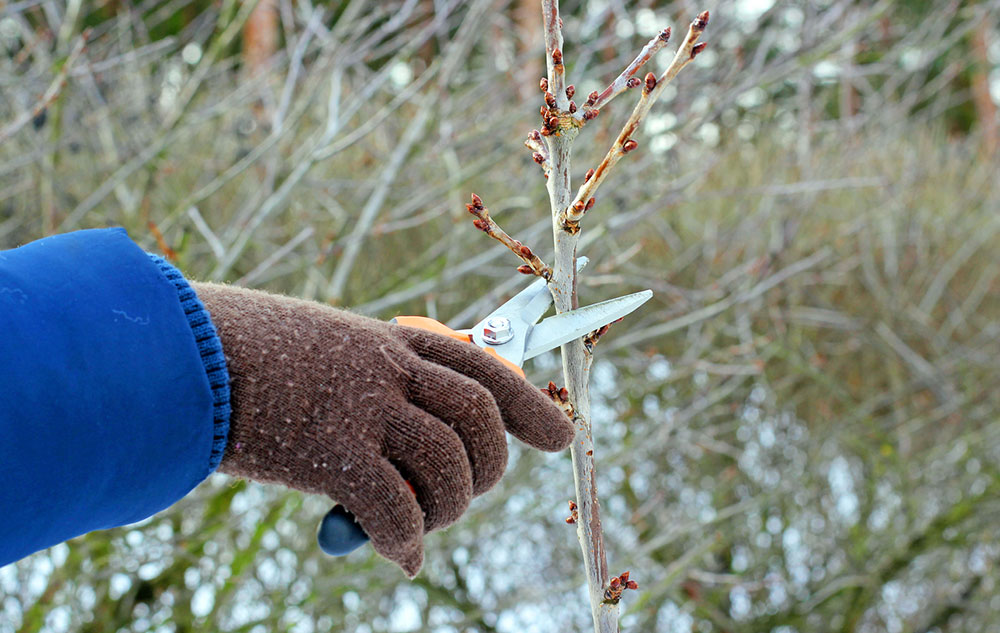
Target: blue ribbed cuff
[[210, 348]]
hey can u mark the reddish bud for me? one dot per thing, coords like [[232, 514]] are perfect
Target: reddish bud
[[632, 584], [564, 394], [526, 252], [699, 47], [629, 145], [553, 122], [552, 386], [535, 136], [588, 175], [650, 82], [701, 21], [665, 35], [570, 520], [572, 107], [557, 56], [470, 209], [525, 269], [546, 132], [538, 158], [590, 204], [615, 583], [570, 91], [482, 225], [543, 84], [477, 201], [589, 453], [624, 576], [572, 505], [550, 99], [632, 82], [579, 205], [591, 98], [590, 114]]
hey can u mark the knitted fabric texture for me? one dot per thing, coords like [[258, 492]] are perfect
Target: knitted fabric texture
[[210, 350], [333, 403]]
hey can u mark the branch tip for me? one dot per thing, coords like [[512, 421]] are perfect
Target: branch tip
[[700, 22], [665, 35]]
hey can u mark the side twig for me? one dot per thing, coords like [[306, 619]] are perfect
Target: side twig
[[624, 144], [533, 265]]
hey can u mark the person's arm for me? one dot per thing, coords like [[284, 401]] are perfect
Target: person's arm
[[113, 389], [119, 396]]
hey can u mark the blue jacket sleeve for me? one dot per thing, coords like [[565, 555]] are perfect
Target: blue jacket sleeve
[[114, 397]]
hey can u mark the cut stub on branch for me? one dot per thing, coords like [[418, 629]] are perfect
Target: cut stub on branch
[[533, 265]]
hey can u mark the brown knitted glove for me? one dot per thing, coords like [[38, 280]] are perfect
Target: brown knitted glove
[[330, 402]]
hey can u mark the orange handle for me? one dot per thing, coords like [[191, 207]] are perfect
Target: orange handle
[[426, 323]]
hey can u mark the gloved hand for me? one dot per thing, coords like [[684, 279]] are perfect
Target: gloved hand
[[334, 403]]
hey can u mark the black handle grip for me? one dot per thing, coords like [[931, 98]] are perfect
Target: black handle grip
[[340, 533]]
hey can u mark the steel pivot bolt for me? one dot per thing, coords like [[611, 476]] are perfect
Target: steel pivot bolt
[[498, 331]]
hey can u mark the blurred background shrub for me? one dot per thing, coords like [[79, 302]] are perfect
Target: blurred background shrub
[[798, 433]]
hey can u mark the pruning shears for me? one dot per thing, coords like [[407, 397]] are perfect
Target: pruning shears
[[512, 334]]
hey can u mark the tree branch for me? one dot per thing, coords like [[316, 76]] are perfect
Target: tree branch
[[624, 144]]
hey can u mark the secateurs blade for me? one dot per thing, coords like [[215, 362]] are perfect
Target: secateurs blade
[[512, 334]]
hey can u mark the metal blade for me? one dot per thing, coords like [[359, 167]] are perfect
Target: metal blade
[[562, 328], [531, 303]]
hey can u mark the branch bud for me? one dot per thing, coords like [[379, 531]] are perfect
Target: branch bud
[[699, 47], [590, 115], [588, 175], [700, 22], [628, 146], [632, 584], [525, 269], [538, 158], [482, 225], [579, 206], [590, 204], [572, 107], [557, 57], [535, 136], [543, 84], [553, 122], [591, 98], [650, 82], [550, 99], [477, 201], [570, 91], [526, 252], [633, 82], [615, 582], [665, 35]]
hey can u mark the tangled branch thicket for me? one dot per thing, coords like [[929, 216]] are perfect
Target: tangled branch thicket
[[806, 431]]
